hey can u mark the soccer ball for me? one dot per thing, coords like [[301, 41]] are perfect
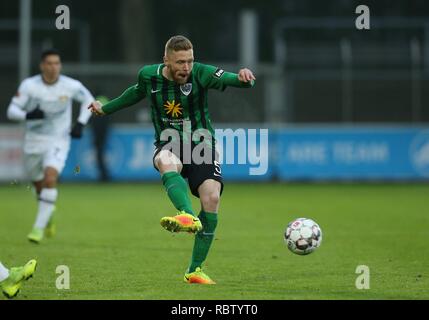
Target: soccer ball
[[303, 236]]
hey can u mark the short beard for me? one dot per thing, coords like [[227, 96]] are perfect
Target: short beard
[[180, 80]]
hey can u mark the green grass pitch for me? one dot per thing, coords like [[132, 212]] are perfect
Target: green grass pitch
[[110, 238]]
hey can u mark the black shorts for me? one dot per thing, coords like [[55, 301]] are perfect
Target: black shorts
[[196, 173]]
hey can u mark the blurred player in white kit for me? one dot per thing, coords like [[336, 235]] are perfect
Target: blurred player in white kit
[[44, 102]]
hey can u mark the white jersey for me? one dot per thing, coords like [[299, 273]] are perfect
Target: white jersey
[[55, 100]]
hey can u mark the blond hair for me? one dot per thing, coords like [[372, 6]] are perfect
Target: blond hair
[[177, 43]]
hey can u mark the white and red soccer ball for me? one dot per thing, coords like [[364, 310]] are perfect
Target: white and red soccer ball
[[303, 236]]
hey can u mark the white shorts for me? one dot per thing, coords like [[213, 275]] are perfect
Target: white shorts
[[52, 155]]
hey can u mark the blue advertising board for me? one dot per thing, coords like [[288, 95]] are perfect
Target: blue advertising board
[[128, 156], [129, 153], [353, 153], [360, 153]]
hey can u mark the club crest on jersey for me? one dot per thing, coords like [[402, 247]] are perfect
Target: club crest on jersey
[[186, 88], [63, 98]]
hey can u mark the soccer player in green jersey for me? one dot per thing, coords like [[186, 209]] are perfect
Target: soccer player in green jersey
[[177, 90]]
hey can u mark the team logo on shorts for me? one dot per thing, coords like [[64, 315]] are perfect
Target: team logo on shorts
[[186, 88]]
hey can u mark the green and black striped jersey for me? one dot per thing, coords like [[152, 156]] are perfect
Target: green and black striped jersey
[[173, 104]]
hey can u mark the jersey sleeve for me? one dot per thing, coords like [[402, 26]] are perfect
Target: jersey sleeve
[[22, 95], [129, 97], [212, 77], [83, 95], [15, 111]]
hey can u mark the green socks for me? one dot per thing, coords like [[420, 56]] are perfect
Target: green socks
[[203, 239], [177, 191]]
